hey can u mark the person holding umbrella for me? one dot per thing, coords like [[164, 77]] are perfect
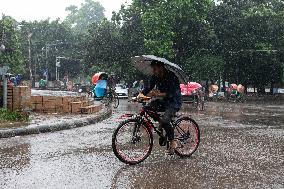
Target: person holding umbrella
[[100, 82], [165, 89]]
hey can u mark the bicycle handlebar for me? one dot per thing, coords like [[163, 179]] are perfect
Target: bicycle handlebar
[[140, 100]]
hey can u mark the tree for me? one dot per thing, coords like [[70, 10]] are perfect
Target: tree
[[88, 13], [205, 66], [12, 56], [131, 30], [247, 30], [104, 47], [112, 43], [51, 38], [129, 22], [174, 29]]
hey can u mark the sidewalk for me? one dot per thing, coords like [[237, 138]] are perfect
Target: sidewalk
[[41, 123]]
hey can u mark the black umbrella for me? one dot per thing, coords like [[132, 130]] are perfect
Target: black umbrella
[[143, 64]]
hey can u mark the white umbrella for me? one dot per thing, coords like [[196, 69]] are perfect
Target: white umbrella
[[143, 64]]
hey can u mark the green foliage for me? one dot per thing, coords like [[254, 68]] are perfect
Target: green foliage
[[250, 38], [89, 12], [6, 115], [208, 40], [204, 66], [104, 48], [240, 40], [12, 56], [168, 23], [59, 39], [111, 44]]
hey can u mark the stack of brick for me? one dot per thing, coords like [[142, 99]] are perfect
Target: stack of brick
[[18, 98], [52, 104], [91, 109], [9, 96], [56, 104], [66, 104], [37, 103]]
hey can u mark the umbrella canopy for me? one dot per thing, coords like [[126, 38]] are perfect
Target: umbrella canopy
[[193, 85], [189, 88], [240, 88], [98, 76], [143, 64], [234, 86]]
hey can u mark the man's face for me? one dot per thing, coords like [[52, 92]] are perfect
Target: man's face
[[157, 70]]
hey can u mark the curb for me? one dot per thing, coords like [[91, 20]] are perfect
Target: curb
[[100, 116]]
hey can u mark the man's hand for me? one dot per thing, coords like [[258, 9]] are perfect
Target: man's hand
[[141, 96]]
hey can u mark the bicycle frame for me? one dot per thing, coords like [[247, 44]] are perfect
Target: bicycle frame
[[144, 117]]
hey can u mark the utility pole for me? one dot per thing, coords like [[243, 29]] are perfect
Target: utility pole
[[46, 62], [30, 59], [2, 46], [47, 46], [3, 72], [57, 65]]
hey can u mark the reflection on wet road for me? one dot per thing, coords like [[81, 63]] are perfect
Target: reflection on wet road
[[241, 147]]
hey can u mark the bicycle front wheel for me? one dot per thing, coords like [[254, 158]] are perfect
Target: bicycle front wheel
[[132, 142], [187, 133]]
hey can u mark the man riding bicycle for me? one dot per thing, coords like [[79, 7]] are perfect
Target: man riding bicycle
[[168, 94]]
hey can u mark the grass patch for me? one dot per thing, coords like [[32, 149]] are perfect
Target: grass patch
[[6, 115]]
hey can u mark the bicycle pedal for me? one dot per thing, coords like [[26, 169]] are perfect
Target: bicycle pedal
[[162, 141], [170, 152]]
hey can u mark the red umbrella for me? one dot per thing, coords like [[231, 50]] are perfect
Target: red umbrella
[[189, 88], [97, 77], [234, 86], [240, 88], [193, 85]]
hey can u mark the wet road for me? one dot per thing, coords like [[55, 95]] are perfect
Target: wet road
[[36, 92], [242, 146]]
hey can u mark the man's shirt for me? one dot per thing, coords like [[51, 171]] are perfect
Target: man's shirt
[[169, 85]]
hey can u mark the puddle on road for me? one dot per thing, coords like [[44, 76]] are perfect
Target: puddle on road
[[235, 115], [15, 157]]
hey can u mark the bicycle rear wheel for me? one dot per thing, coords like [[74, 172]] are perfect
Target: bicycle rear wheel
[[106, 100], [187, 133], [115, 100], [195, 102], [201, 103], [132, 142]]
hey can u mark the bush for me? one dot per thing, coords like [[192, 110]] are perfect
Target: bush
[[6, 115]]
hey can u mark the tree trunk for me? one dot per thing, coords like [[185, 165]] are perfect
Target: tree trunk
[[271, 88], [30, 64], [206, 87], [261, 89], [224, 87]]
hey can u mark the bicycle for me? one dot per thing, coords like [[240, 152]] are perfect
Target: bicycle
[[137, 142], [196, 99], [111, 97]]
